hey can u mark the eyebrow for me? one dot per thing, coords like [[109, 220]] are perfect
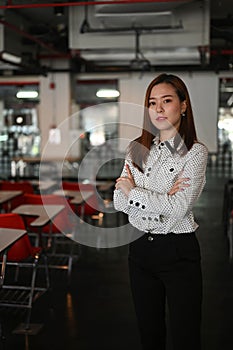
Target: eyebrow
[[164, 96]]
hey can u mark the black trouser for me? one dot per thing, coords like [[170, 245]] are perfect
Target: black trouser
[[167, 268]]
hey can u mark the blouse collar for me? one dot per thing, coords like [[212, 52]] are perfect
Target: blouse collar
[[169, 143]]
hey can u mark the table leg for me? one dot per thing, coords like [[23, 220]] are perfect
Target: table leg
[[3, 269]]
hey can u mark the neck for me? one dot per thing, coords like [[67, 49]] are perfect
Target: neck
[[165, 135]]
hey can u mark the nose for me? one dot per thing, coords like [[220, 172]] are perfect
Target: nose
[[159, 107]]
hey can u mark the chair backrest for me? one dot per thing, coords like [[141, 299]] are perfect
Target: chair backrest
[[61, 222], [92, 205], [21, 249], [44, 199], [24, 186]]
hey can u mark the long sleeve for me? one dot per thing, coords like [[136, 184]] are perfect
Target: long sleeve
[[149, 206], [120, 200]]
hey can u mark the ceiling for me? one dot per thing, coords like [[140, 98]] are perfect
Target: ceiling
[[116, 36]]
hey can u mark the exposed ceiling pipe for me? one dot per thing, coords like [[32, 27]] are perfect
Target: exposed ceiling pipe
[[83, 3], [31, 37], [224, 52]]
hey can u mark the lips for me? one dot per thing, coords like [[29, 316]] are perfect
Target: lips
[[161, 118]]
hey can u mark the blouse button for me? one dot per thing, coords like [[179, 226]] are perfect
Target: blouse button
[[150, 238], [131, 202], [162, 144], [161, 218]]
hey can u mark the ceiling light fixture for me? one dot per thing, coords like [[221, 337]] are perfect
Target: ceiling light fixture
[[230, 101], [27, 94], [8, 57], [107, 93], [130, 14], [59, 11]]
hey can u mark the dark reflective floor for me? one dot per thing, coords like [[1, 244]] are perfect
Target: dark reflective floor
[[96, 310]]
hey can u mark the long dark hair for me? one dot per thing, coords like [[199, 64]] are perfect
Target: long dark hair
[[139, 148]]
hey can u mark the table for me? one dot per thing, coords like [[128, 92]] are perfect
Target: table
[[43, 185], [7, 238], [7, 196], [45, 212], [100, 184], [78, 197], [104, 187]]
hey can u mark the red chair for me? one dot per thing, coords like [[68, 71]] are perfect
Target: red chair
[[24, 186], [56, 232], [93, 207], [22, 255]]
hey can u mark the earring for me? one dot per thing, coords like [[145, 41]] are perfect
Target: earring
[[183, 114]]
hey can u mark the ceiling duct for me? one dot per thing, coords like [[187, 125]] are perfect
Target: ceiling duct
[[174, 30], [157, 13]]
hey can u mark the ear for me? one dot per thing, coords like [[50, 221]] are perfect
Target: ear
[[183, 107]]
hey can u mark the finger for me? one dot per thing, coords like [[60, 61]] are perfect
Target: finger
[[182, 179], [118, 187], [184, 185], [118, 183], [178, 187], [123, 178], [171, 192], [128, 171]]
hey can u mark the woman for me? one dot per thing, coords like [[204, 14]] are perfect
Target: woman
[[163, 176]]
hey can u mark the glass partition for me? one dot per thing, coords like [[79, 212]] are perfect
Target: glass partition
[[19, 125], [225, 122], [100, 124], [96, 101]]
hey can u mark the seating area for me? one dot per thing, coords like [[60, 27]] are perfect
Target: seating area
[[53, 235], [49, 220]]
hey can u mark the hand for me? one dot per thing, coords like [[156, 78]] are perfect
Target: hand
[[125, 183], [179, 185]]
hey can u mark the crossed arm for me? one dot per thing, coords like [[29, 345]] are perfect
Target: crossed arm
[[126, 183]]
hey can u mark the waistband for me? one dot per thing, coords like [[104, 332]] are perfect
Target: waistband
[[170, 235]]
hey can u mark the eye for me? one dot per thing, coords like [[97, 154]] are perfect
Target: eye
[[167, 100], [151, 103]]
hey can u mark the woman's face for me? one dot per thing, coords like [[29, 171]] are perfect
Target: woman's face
[[165, 109]]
